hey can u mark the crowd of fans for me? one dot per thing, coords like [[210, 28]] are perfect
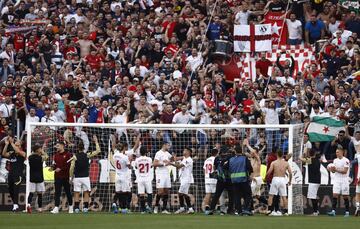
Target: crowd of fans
[[140, 61]]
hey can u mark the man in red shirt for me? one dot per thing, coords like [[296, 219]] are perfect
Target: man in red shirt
[[94, 60], [61, 166], [262, 66]]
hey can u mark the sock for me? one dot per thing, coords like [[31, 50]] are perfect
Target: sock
[[149, 200], [165, 200], [77, 203], [142, 203], [334, 203], [122, 200], [86, 204], [188, 202], [181, 200], [39, 200], [157, 200], [30, 198], [116, 198], [285, 210], [346, 204], [276, 202], [357, 204], [207, 207], [262, 200], [315, 205], [128, 199]]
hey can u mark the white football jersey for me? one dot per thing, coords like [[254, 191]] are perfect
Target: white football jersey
[[209, 168], [186, 172], [121, 163], [162, 156], [357, 156], [144, 169], [341, 164]]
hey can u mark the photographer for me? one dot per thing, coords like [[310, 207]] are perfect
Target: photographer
[[12, 151], [223, 180]]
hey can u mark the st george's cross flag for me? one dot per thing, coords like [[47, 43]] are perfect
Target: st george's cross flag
[[252, 38], [322, 129]]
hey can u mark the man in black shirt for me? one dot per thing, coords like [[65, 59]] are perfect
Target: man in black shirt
[[37, 185], [16, 156], [313, 162], [79, 173]]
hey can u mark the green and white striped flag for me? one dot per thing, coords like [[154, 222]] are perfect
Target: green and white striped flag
[[322, 129]]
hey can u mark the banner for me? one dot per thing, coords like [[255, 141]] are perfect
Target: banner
[[278, 27], [242, 65], [23, 29], [352, 5], [252, 38]]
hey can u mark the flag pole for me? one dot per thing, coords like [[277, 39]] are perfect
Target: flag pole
[[283, 23]]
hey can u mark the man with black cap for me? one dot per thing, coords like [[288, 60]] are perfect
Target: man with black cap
[[240, 170], [223, 180]]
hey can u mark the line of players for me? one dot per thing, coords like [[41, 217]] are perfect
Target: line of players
[[76, 168]]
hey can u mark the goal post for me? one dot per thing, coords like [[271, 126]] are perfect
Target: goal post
[[200, 138]]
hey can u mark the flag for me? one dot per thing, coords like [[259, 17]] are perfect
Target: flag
[[278, 27], [352, 5], [238, 67], [252, 38], [322, 129]]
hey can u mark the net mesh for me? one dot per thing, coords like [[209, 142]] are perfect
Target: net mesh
[[200, 140]]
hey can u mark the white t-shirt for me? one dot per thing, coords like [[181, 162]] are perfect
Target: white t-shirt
[[242, 17], [144, 169], [32, 119], [120, 118], [294, 28], [208, 169], [356, 145], [180, 118], [143, 71], [334, 27], [197, 106], [283, 80], [186, 172], [121, 164], [5, 110], [162, 156], [60, 115], [51, 119], [341, 164], [194, 61]]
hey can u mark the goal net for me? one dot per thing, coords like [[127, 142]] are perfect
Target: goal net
[[201, 139]]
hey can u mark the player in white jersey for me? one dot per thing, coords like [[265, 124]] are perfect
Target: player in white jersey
[[122, 165], [341, 181], [357, 191], [210, 183], [144, 177], [163, 182], [186, 179]]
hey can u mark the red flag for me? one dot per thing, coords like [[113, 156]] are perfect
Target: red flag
[[279, 27]]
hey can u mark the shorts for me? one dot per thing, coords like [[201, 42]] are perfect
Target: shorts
[[256, 186], [81, 184], [122, 184], [144, 187], [184, 188], [341, 187], [210, 188], [37, 187], [278, 186], [312, 191], [163, 181]]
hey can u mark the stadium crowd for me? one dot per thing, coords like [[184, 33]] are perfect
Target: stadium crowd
[[150, 62]]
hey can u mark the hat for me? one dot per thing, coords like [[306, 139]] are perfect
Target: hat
[[132, 88], [177, 74]]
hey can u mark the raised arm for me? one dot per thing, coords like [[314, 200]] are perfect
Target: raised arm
[[290, 173], [97, 148]]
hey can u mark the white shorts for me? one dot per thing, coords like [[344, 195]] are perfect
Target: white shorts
[[184, 188], [37, 187], [312, 191], [278, 186], [122, 184], [81, 184], [256, 186], [357, 189], [163, 181], [144, 187], [341, 187], [210, 188]]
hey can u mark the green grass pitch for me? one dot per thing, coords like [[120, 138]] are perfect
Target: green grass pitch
[[111, 221]]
